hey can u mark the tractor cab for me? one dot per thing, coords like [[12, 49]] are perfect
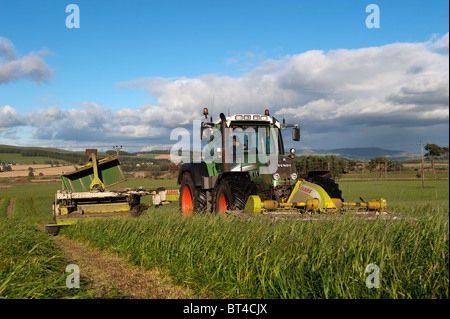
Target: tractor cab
[[245, 138], [251, 144]]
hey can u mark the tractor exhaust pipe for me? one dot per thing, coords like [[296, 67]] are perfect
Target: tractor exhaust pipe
[[223, 126]]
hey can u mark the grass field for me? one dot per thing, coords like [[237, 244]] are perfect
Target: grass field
[[410, 175], [235, 258], [402, 193]]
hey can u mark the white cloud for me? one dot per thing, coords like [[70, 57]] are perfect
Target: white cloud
[[14, 68], [368, 84], [395, 92], [7, 49], [440, 44], [9, 118]]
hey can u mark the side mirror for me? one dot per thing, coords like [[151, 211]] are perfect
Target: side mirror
[[296, 134], [207, 133], [203, 133]]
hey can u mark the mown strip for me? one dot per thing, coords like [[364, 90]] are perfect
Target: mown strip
[[11, 208], [35, 207], [112, 274]]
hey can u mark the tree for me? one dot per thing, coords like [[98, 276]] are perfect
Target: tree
[[337, 165], [445, 151], [379, 165], [433, 152]]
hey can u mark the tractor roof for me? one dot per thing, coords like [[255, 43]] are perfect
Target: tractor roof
[[251, 118]]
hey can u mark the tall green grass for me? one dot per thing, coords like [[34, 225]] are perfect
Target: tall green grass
[[30, 267], [4, 207], [235, 258]]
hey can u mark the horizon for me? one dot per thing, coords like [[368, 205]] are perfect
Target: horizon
[[104, 150]]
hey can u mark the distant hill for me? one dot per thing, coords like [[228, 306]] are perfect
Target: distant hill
[[37, 155], [364, 154], [43, 155]]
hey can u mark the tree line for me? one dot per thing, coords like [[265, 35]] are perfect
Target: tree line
[[380, 165], [71, 157], [337, 165], [340, 165], [79, 158]]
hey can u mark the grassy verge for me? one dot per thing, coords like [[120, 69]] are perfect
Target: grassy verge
[[30, 267]]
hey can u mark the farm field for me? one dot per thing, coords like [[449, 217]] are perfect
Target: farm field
[[395, 175], [46, 169], [19, 159], [220, 257]]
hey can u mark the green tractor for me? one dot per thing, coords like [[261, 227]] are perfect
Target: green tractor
[[245, 170]]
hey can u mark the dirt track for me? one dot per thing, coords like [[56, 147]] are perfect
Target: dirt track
[[113, 274], [35, 207], [11, 208]]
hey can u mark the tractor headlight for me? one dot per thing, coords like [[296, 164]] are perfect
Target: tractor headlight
[[276, 176], [293, 176]]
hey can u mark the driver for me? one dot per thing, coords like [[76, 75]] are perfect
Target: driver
[[238, 158]]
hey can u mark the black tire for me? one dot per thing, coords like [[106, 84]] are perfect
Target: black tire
[[329, 185], [197, 196], [235, 190], [52, 230]]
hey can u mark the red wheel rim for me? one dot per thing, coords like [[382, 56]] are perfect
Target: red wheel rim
[[223, 203], [186, 201]]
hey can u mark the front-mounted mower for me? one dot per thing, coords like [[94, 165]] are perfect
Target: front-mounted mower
[[87, 193], [245, 171]]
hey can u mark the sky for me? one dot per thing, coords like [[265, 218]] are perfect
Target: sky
[[134, 71]]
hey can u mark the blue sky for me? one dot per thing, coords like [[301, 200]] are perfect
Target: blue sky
[[143, 57]]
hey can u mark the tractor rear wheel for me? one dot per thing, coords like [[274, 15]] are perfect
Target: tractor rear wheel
[[192, 198], [329, 185]]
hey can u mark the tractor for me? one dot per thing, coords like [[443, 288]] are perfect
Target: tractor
[[245, 170]]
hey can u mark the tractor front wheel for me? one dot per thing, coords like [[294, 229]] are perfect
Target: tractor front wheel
[[232, 193]]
